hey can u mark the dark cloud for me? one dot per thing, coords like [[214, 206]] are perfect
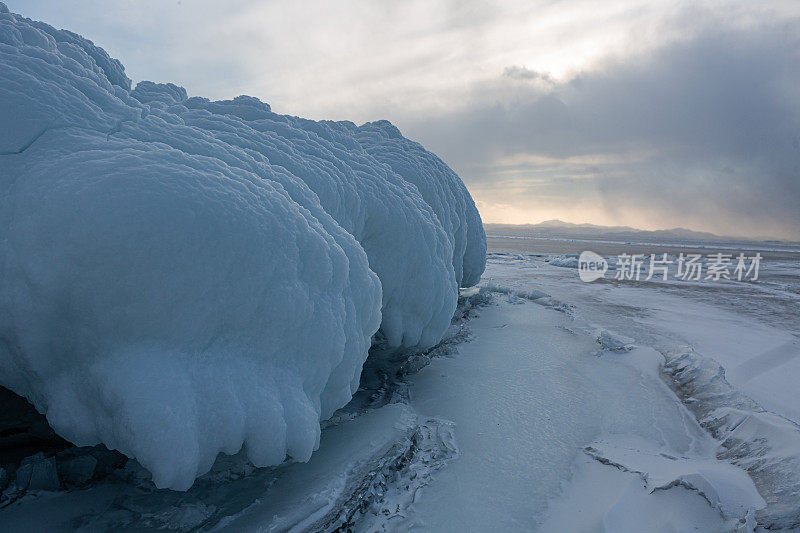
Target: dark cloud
[[522, 73], [702, 132]]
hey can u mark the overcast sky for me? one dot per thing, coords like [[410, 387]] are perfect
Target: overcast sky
[[652, 114]]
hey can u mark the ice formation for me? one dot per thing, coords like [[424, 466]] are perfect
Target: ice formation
[[764, 444], [181, 277]]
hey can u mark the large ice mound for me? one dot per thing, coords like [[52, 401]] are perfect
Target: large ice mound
[[181, 277]]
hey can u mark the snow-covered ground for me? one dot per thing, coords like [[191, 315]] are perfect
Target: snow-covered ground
[[752, 329]]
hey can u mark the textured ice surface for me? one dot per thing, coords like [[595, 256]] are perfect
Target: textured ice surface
[[363, 478], [181, 277], [723, 485], [763, 443]]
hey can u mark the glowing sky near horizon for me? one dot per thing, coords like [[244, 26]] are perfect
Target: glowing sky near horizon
[[644, 113]]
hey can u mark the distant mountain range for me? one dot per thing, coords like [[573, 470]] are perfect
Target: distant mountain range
[[559, 227]]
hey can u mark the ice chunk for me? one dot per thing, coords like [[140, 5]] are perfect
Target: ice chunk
[[37, 472], [80, 469], [180, 277], [173, 309], [565, 260], [614, 341]]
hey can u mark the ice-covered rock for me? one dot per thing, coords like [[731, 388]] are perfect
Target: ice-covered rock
[[181, 277], [37, 472], [614, 341], [79, 470]]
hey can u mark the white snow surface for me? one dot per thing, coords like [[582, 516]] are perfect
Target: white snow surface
[[181, 277], [727, 350]]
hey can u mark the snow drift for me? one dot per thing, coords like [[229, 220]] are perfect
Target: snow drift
[[181, 277]]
